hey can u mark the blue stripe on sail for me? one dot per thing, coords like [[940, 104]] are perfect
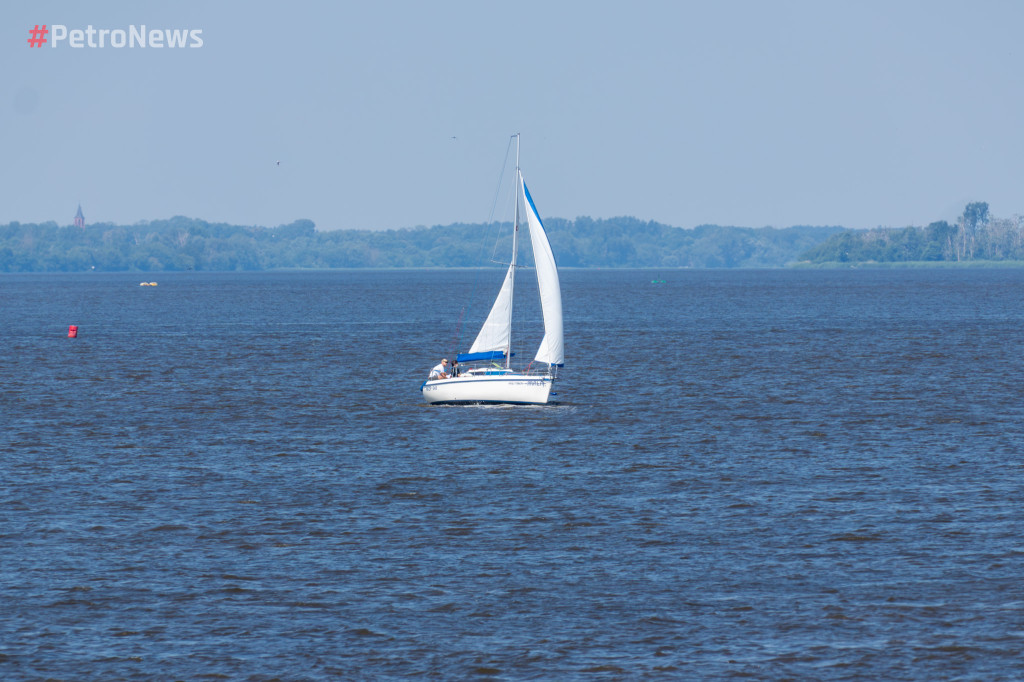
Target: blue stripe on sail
[[532, 205], [486, 355]]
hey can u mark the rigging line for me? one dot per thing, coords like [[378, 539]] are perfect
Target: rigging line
[[511, 200], [483, 243], [497, 192]]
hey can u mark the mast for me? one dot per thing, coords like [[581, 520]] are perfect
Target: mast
[[515, 253]]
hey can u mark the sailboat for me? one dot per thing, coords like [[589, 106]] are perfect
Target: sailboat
[[490, 377]]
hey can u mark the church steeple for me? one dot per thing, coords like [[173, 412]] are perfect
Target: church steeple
[[79, 218]]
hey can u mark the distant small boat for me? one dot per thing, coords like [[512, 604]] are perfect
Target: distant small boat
[[487, 381], [147, 284]]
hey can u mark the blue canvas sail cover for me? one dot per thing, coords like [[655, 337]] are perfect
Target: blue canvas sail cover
[[486, 355]]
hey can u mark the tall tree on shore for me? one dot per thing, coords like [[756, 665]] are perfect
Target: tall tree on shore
[[975, 216]]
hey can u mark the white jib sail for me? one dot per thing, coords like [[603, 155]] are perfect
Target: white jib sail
[[551, 347], [495, 333]]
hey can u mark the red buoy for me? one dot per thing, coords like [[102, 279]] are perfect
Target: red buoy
[[73, 331]]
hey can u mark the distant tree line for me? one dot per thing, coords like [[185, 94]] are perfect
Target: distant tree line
[[182, 243], [976, 236]]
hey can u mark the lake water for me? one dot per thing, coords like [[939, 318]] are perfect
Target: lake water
[[756, 474]]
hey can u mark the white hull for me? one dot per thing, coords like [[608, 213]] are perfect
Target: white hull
[[521, 389]]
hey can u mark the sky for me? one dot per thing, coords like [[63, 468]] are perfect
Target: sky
[[379, 115]]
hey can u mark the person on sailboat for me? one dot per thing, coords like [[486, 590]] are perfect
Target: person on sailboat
[[439, 370]]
